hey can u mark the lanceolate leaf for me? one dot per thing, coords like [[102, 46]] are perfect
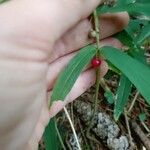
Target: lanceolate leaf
[[137, 72], [122, 95], [145, 33], [125, 38], [71, 72]]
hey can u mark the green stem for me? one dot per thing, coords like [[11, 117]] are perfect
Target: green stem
[[97, 83], [96, 24]]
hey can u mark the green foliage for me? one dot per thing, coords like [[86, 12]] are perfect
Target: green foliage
[[142, 117], [138, 30], [50, 136], [144, 33], [134, 27], [143, 1], [109, 96], [137, 72], [126, 64], [124, 2], [131, 64], [133, 49], [71, 72], [130, 6], [127, 37], [122, 95]]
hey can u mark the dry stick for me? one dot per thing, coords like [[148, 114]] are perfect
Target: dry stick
[[71, 111], [129, 110], [145, 126], [104, 85], [72, 127], [133, 102], [141, 135], [96, 24], [82, 133], [68, 144], [128, 128]]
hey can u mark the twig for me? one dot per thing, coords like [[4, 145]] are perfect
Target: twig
[[104, 85], [141, 135], [133, 102], [71, 111], [128, 129], [145, 126], [83, 135], [72, 127], [68, 145], [90, 137]]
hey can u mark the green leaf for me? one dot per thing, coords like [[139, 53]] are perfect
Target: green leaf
[[130, 8], [134, 50], [109, 96], [125, 38], [71, 72], [134, 27], [142, 117], [122, 95], [50, 136], [137, 72], [145, 33]]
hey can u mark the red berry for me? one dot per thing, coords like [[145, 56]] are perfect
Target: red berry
[[96, 62]]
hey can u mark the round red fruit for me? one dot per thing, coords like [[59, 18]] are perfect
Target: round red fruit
[[96, 62]]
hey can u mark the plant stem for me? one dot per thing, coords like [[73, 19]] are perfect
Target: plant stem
[[97, 83], [72, 127], [59, 136], [96, 26], [145, 126]]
